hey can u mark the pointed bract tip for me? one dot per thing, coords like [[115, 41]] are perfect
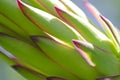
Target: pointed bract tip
[[102, 17], [19, 3], [58, 10], [75, 42], [81, 44], [105, 20]]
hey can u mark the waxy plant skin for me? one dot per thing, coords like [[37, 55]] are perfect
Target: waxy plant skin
[[55, 40]]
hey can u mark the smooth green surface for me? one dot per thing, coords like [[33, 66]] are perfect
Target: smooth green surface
[[68, 58], [49, 23], [88, 31], [32, 57], [104, 61], [13, 18]]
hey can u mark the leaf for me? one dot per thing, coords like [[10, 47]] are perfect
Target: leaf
[[10, 26], [73, 8], [48, 6], [15, 20], [36, 3], [83, 53], [108, 27], [104, 62], [7, 73], [112, 32], [6, 30], [49, 23], [87, 30], [67, 57], [32, 57]]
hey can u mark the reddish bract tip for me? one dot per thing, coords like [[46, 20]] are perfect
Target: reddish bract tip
[[60, 13], [75, 43], [58, 10], [19, 3]]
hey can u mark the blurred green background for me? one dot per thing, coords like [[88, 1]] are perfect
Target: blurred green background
[[108, 8]]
